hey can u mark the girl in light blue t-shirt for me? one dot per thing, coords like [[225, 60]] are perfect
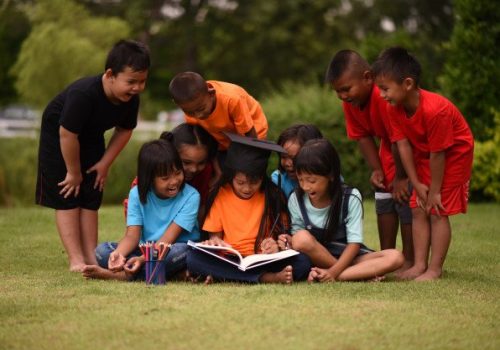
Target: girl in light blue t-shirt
[[327, 221], [161, 208]]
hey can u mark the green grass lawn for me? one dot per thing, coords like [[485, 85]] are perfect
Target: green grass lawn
[[43, 306]]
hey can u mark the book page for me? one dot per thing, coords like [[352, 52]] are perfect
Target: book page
[[252, 260]]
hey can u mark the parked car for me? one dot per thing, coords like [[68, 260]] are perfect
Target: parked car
[[18, 112], [18, 121]]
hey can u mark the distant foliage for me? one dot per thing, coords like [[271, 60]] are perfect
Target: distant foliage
[[65, 43], [18, 162], [314, 104], [486, 173], [472, 72]]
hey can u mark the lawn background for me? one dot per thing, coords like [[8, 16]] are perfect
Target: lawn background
[[43, 306]]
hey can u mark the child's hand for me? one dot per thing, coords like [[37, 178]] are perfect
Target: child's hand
[[116, 261], [269, 246], [71, 184], [285, 242], [400, 191], [102, 173], [216, 241], [422, 191], [377, 179], [434, 202], [133, 265]]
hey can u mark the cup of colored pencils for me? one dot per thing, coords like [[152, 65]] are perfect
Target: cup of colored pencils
[[154, 257]]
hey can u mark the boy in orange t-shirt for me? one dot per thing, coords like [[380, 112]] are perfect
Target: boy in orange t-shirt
[[247, 211], [436, 147], [218, 107]]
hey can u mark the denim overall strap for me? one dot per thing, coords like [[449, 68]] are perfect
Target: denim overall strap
[[315, 231]]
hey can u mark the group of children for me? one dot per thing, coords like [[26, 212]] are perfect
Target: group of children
[[207, 178]]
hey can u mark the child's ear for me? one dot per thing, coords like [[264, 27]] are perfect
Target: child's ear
[[409, 84], [109, 73], [368, 76]]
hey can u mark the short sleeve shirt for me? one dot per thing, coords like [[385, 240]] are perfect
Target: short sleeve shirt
[[237, 218], [158, 214], [436, 126], [287, 184], [83, 109], [372, 121], [319, 216], [235, 111]]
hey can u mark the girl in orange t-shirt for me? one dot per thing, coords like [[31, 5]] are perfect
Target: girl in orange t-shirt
[[247, 211]]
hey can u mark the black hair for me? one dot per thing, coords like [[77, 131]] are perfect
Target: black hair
[[398, 64], [343, 61], [275, 218], [156, 158], [194, 135], [300, 133], [319, 157], [187, 86], [128, 53]]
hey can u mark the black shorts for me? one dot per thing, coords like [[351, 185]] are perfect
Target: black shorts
[[47, 191]]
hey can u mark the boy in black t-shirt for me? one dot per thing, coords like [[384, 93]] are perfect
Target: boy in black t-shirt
[[73, 160]]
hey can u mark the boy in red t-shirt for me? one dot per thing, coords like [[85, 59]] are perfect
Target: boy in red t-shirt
[[366, 120], [436, 147], [218, 107]]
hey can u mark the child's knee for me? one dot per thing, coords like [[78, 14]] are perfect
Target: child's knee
[[303, 241], [102, 252], [395, 258], [418, 214]]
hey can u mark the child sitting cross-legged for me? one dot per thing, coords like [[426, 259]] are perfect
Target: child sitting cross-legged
[[247, 211], [327, 221], [161, 208]]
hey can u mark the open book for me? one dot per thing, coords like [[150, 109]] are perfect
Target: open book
[[232, 256]]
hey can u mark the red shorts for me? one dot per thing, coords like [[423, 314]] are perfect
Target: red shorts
[[454, 200]]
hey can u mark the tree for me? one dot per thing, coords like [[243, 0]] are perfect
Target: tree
[[262, 44], [472, 72], [14, 28], [65, 43]]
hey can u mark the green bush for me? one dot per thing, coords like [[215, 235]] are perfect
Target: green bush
[[486, 171], [314, 104], [18, 164]]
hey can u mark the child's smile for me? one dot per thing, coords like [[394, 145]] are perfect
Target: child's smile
[[168, 186], [244, 187], [316, 188], [126, 85]]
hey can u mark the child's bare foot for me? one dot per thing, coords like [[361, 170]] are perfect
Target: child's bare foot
[[312, 277], [407, 265], [208, 280], [284, 276], [78, 267], [411, 273], [429, 275], [377, 279], [95, 271]]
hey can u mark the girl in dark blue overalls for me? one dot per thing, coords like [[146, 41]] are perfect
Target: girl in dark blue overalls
[[327, 221]]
